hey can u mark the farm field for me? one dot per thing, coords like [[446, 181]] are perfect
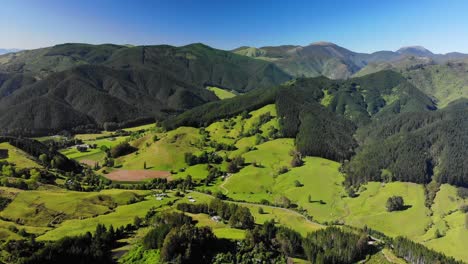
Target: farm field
[[221, 93], [18, 157], [40, 211], [136, 175], [315, 188], [122, 216]]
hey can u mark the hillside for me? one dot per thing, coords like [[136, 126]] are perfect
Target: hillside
[[323, 116], [398, 127], [446, 82], [267, 179], [335, 62], [82, 86]]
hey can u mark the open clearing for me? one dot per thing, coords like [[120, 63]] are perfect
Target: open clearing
[[20, 158], [136, 175], [221, 93]]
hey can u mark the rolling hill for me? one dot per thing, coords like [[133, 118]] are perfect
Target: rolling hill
[[333, 61], [445, 82], [80, 85]]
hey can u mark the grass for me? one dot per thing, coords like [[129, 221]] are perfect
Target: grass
[[93, 154], [165, 154], [318, 178], [449, 220], [369, 209], [41, 208], [122, 216], [283, 217], [20, 158], [139, 255], [221, 93], [220, 229]]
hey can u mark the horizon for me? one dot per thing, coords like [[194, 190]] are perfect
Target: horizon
[[364, 27], [13, 50]]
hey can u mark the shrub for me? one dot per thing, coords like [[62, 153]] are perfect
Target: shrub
[[395, 203]]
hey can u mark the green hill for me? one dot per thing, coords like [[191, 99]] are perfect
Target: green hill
[[81, 86]]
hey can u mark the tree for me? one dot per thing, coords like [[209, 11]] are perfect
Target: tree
[[395, 203], [309, 198], [137, 221], [298, 183], [296, 159], [283, 201], [154, 239], [260, 210], [44, 159], [242, 218], [144, 165], [188, 244]]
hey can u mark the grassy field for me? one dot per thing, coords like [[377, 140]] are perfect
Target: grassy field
[[449, 220], [221, 93], [18, 157], [315, 187], [165, 154], [42, 208], [122, 216], [93, 154]]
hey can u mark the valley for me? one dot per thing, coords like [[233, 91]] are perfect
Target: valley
[[306, 198], [288, 154]]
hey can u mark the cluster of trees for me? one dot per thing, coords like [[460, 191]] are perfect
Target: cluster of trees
[[332, 245], [203, 158], [48, 156], [395, 203], [417, 253], [208, 113], [121, 149], [296, 160], [26, 179], [88, 248], [213, 173], [235, 164], [237, 216], [318, 130], [410, 145], [178, 239], [222, 146], [255, 127]]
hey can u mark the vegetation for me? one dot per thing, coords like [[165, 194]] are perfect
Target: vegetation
[[395, 203]]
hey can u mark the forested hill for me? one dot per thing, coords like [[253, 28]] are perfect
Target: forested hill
[[335, 62], [81, 86], [322, 114], [385, 126]]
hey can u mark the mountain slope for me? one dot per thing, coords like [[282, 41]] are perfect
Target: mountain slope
[[81, 85], [445, 82], [321, 129], [335, 62], [94, 95], [197, 63], [321, 58]]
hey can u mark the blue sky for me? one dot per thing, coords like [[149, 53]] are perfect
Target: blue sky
[[363, 26]]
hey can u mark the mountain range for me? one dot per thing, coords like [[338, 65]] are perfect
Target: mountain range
[[333, 61], [81, 86]]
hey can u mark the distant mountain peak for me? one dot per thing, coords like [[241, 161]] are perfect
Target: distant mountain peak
[[414, 50], [322, 43]]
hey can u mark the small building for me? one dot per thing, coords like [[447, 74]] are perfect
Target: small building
[[159, 198], [216, 218], [192, 200]]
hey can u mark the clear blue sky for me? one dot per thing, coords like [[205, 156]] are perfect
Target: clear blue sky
[[359, 25]]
